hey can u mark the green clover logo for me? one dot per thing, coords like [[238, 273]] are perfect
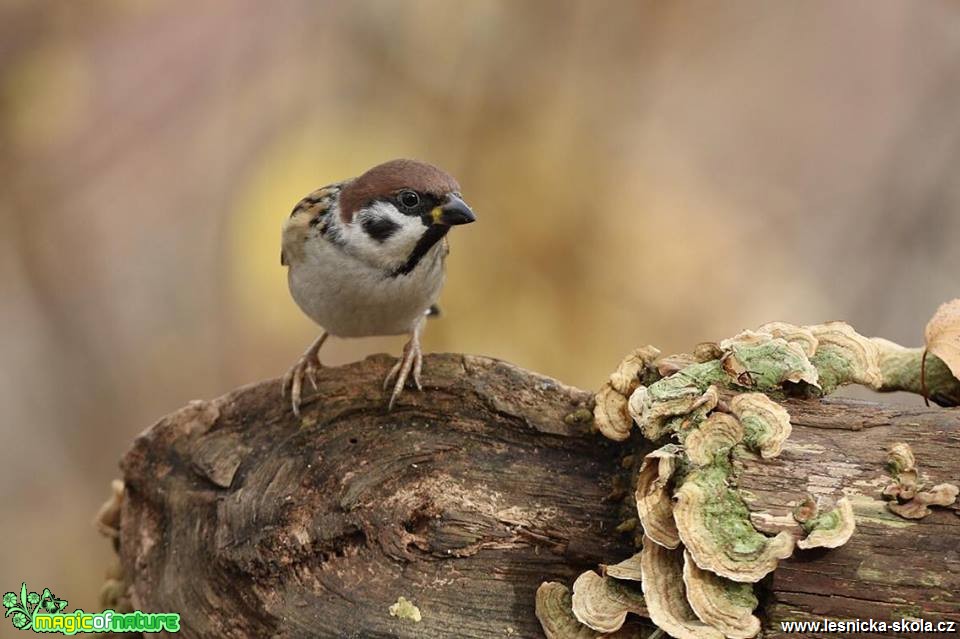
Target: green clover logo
[[20, 621], [50, 603], [23, 609]]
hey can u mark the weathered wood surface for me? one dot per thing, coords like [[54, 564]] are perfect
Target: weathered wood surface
[[467, 496], [891, 568]]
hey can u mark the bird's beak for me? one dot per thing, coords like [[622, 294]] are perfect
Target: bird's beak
[[453, 211]]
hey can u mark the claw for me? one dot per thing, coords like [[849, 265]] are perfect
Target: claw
[[295, 391], [393, 372], [417, 367], [312, 374], [411, 360], [307, 366]]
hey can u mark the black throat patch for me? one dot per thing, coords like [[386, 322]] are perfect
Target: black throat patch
[[431, 236]]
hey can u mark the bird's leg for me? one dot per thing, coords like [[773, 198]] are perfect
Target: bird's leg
[[412, 359], [307, 365]]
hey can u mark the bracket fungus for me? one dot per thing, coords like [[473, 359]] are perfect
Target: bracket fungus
[[799, 335], [554, 610], [107, 519], [702, 548], [714, 525], [762, 362], [707, 351], [918, 370], [655, 407], [909, 500], [844, 356], [831, 529], [654, 503], [903, 468], [806, 510], [667, 366], [610, 413], [766, 424], [721, 603], [713, 440], [602, 603], [635, 369], [900, 459], [918, 507], [663, 590], [629, 569]]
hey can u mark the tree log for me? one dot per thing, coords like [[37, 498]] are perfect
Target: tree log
[[464, 498]]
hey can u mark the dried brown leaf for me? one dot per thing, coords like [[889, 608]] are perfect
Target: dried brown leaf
[[942, 335]]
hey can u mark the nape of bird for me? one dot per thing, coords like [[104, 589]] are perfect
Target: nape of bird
[[366, 257]]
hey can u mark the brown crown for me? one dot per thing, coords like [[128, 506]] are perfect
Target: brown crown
[[388, 178]]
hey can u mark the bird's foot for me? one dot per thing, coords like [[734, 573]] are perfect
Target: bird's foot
[[306, 367], [410, 362]]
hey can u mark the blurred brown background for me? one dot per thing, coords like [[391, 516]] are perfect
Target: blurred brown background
[[644, 172]]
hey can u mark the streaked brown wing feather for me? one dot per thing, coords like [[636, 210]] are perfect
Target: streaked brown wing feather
[[307, 213]]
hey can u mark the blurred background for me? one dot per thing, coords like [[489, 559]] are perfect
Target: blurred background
[[644, 172]]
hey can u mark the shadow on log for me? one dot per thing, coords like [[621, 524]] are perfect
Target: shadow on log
[[464, 498]]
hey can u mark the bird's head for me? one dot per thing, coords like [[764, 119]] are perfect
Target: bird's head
[[393, 214]]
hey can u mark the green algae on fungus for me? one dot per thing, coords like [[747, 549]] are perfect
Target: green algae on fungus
[[652, 496], [655, 408], [757, 361], [844, 356], [602, 603], [799, 335], [713, 440], [701, 376], [900, 458], [714, 524], [766, 424], [903, 468], [663, 591], [831, 529], [901, 370], [724, 604]]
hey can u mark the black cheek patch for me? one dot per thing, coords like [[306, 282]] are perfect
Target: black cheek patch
[[380, 228]]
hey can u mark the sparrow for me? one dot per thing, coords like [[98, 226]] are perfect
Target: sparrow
[[365, 257]]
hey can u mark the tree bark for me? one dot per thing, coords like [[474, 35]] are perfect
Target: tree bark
[[464, 498]]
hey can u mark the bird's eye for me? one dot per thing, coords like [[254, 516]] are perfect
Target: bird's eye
[[409, 199]]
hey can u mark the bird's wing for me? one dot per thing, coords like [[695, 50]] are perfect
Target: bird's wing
[[309, 212]]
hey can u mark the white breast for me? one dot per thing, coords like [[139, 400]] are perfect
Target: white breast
[[349, 298]]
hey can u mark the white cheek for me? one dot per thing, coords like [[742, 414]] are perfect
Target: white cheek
[[393, 251]]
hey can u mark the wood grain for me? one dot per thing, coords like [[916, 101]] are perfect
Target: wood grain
[[467, 496]]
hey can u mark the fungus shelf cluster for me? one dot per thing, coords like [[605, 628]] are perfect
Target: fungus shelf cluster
[[701, 555]]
